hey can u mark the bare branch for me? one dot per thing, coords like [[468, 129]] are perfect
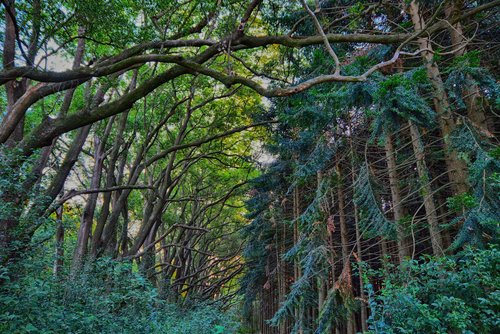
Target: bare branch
[[323, 35]]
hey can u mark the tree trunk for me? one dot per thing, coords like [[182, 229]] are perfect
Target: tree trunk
[[88, 212], [346, 253], [471, 94], [359, 249], [321, 286], [59, 251], [426, 191], [397, 205], [457, 169], [299, 312]]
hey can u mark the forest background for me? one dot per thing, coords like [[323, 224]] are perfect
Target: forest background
[[234, 166]]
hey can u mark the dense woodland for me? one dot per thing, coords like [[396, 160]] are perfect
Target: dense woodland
[[246, 166]]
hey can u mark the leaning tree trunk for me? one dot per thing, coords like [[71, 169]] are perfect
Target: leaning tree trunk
[[12, 125], [88, 212]]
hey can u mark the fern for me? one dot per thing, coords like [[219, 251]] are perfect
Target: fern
[[465, 73], [373, 219], [481, 219], [398, 99]]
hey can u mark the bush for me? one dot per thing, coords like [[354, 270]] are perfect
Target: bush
[[450, 295], [110, 298]]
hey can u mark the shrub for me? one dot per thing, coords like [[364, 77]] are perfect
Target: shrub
[[457, 294]]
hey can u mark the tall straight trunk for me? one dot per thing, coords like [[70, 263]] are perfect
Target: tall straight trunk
[[397, 205], [346, 254], [124, 233], [59, 244], [299, 312], [426, 191], [321, 284], [471, 93], [457, 169], [359, 248], [333, 255], [384, 251], [281, 265]]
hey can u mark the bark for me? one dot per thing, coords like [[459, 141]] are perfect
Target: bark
[[111, 180], [457, 169], [346, 254], [397, 203], [471, 94], [321, 284], [124, 235], [359, 249], [426, 191], [87, 218], [384, 252], [59, 248], [282, 277], [14, 89], [299, 312]]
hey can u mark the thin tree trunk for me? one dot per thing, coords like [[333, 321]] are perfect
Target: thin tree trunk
[[397, 205], [426, 191], [384, 250], [359, 249], [344, 237], [59, 244], [299, 312], [88, 212], [321, 284], [124, 234]]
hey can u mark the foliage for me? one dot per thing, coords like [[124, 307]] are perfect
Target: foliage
[[480, 210], [466, 74], [457, 294], [372, 217], [108, 298]]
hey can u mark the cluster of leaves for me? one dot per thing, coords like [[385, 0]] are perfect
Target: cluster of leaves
[[15, 173], [479, 210], [372, 217], [457, 294], [466, 71], [111, 297]]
